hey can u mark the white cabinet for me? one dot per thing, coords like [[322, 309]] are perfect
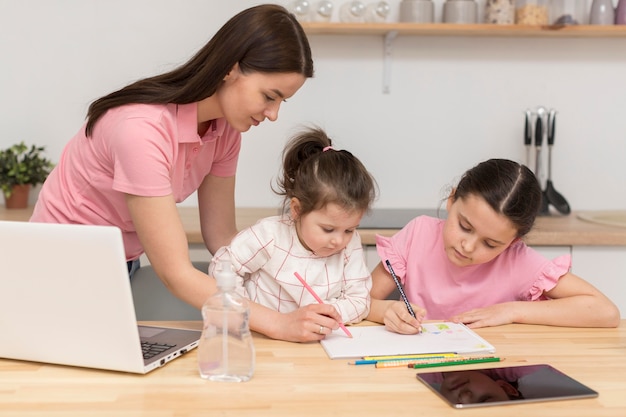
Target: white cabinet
[[605, 268]]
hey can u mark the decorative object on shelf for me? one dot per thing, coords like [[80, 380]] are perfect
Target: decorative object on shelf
[[460, 11], [377, 12], [301, 9], [417, 11], [602, 12], [21, 168], [568, 12], [531, 12], [620, 13], [322, 11], [352, 12], [500, 12]]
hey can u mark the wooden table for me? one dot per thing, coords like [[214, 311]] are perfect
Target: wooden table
[[299, 380], [548, 230]]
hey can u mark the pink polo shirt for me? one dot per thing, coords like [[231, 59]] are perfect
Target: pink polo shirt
[[430, 280], [139, 149]]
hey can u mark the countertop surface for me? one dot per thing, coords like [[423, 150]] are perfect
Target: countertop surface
[[298, 379], [548, 230]]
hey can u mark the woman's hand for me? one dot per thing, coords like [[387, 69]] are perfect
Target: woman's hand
[[397, 318]]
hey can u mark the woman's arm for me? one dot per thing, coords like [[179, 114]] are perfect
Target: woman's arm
[[573, 302], [163, 238], [216, 201], [393, 314]]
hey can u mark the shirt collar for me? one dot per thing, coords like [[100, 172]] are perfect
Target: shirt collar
[[187, 120]]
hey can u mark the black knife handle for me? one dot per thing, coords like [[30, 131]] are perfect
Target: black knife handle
[[551, 123], [528, 130], [539, 130]]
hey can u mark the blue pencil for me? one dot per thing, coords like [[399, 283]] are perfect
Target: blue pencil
[[363, 362]]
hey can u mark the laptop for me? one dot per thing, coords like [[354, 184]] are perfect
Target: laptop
[[65, 298]]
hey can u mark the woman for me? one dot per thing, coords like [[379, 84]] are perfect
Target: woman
[[151, 144]]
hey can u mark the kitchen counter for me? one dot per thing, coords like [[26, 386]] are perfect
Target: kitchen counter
[[548, 230]]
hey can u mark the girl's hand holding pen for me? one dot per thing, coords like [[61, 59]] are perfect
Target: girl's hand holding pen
[[309, 323], [398, 319]]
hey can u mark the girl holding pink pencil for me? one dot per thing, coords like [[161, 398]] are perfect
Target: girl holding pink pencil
[[326, 193]]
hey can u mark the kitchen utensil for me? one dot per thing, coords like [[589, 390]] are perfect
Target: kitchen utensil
[[539, 124], [552, 196], [528, 136]]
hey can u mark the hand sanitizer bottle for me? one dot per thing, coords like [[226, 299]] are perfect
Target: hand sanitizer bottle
[[226, 351]]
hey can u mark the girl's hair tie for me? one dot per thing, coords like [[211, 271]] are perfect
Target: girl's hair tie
[[327, 148]]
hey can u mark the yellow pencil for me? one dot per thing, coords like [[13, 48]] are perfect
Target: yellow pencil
[[416, 356], [412, 363]]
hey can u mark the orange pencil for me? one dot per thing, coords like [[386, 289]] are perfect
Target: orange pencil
[[319, 300]]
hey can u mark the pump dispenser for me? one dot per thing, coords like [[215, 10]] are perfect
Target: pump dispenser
[[226, 351]]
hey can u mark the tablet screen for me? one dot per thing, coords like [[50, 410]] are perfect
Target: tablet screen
[[504, 385]]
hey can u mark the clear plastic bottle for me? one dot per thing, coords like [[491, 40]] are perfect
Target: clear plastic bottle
[[226, 351]]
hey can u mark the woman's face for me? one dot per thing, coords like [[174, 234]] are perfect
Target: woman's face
[[474, 233], [248, 99], [467, 387]]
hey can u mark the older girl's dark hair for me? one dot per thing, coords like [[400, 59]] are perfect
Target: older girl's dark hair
[[317, 174], [265, 38], [510, 189]]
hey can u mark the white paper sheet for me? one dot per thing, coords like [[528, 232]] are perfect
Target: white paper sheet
[[437, 337]]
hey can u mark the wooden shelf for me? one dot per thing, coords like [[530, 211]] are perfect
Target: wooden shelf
[[451, 29]]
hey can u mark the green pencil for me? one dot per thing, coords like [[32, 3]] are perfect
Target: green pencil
[[452, 362]]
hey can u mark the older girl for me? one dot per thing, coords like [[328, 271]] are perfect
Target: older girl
[[474, 267]]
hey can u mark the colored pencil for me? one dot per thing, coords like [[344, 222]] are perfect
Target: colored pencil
[[402, 294], [404, 361], [363, 362], [319, 300], [414, 356], [466, 361]]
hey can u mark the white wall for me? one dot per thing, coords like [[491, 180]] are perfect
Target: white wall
[[453, 102]]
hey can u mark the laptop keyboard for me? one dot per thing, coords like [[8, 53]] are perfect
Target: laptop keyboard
[[151, 349]]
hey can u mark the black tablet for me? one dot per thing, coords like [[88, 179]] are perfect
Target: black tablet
[[504, 385]]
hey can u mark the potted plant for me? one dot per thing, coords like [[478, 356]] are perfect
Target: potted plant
[[21, 168]]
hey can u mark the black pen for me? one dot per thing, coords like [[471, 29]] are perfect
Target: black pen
[[395, 278]]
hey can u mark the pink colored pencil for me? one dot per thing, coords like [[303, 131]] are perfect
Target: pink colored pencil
[[319, 300]]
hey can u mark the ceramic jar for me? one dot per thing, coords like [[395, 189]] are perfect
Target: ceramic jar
[[602, 12], [620, 13], [377, 12], [417, 11], [322, 11], [352, 12], [460, 11]]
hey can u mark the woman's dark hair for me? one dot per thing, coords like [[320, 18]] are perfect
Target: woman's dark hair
[[317, 174], [510, 189], [265, 38]]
